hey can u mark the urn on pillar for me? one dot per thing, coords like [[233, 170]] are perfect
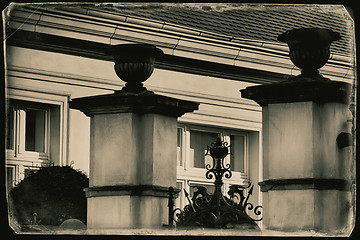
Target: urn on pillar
[[309, 50], [134, 64]]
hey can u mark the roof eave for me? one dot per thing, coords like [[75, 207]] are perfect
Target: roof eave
[[110, 28]]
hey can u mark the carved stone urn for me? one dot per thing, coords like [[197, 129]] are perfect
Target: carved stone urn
[[134, 64], [309, 50]]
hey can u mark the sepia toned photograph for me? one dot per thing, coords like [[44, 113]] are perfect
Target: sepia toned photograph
[[180, 119]]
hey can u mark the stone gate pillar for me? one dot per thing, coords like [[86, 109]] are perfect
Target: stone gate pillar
[[133, 146], [308, 168]]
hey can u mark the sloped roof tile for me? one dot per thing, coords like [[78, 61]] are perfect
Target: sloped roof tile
[[261, 22]]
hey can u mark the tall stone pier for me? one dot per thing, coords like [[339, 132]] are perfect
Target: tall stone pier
[[309, 170], [308, 167], [132, 158]]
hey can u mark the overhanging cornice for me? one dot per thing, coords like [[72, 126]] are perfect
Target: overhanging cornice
[[71, 46], [99, 27]]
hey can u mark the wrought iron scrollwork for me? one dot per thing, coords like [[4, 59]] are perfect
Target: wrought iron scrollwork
[[216, 210]]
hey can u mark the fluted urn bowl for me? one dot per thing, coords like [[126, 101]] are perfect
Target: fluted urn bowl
[[134, 64], [309, 47]]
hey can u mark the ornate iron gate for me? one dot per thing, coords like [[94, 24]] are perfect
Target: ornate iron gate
[[216, 210]]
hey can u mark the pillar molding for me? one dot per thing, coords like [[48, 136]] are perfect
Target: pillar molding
[[129, 190], [299, 91], [305, 183], [139, 103]]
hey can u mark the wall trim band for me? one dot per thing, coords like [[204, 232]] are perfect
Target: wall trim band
[[305, 183], [129, 190]]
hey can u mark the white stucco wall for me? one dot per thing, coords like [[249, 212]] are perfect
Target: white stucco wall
[[79, 141], [34, 70]]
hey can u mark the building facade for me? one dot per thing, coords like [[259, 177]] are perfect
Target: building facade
[[56, 53]]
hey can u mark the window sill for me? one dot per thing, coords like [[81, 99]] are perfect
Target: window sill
[[27, 162], [198, 173]]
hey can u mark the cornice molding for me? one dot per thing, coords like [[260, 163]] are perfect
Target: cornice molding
[[104, 28]]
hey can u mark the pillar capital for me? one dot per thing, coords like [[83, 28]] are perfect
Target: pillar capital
[[139, 103], [299, 91]]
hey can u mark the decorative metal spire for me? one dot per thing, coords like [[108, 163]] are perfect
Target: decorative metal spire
[[216, 210]]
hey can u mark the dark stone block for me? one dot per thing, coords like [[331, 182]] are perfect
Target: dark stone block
[[140, 103], [304, 183], [299, 91]]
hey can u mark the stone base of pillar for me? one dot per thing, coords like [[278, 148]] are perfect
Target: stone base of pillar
[[321, 205], [124, 212], [127, 206]]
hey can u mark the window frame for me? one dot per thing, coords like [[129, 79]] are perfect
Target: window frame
[[56, 148], [223, 133], [190, 128], [187, 175], [14, 176], [19, 152]]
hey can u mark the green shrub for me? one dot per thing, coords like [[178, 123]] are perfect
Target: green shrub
[[53, 193]]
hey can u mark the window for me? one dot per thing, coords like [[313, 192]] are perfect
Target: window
[[210, 187], [195, 139], [10, 177], [35, 130], [10, 128], [34, 133], [192, 142], [28, 130], [238, 153], [199, 140], [179, 146]]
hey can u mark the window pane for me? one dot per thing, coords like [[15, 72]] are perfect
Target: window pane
[[35, 130], [237, 156], [198, 145], [179, 200], [29, 171], [179, 147], [209, 187], [10, 128], [9, 178]]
